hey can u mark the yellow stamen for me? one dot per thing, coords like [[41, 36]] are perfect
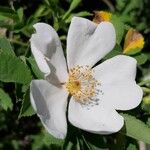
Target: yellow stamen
[[73, 86], [81, 84], [101, 16], [133, 40]]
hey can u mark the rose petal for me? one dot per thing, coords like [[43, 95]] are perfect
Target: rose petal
[[87, 42], [47, 50], [117, 79], [117, 69], [99, 119], [50, 104], [122, 96]]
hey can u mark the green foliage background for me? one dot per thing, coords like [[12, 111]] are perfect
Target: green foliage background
[[20, 129]]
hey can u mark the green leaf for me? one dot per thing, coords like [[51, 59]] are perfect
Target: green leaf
[[6, 23], [8, 12], [26, 108], [120, 4], [20, 14], [95, 141], [56, 23], [80, 14], [73, 5], [5, 100], [116, 51], [5, 46], [15, 144], [35, 68], [131, 147], [136, 129], [148, 147], [119, 27], [70, 145], [131, 5], [141, 58], [37, 142], [146, 103], [40, 11], [45, 141], [93, 147], [49, 139], [12, 69]]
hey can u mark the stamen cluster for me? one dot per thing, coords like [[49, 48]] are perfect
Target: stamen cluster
[[81, 83]]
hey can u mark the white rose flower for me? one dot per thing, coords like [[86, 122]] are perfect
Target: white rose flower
[[96, 92]]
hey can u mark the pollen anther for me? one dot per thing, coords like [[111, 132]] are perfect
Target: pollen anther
[[81, 84]]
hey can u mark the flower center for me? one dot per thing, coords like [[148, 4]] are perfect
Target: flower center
[[81, 84]]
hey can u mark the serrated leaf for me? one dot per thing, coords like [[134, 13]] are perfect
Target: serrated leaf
[[5, 100], [26, 108], [5, 46], [12, 69], [136, 129], [119, 27]]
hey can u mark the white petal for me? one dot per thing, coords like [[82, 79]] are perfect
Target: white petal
[[87, 42], [117, 69], [40, 59], [117, 79], [47, 50], [98, 119], [50, 104], [122, 96]]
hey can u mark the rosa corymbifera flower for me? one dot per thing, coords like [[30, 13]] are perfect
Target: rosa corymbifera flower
[[96, 92]]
